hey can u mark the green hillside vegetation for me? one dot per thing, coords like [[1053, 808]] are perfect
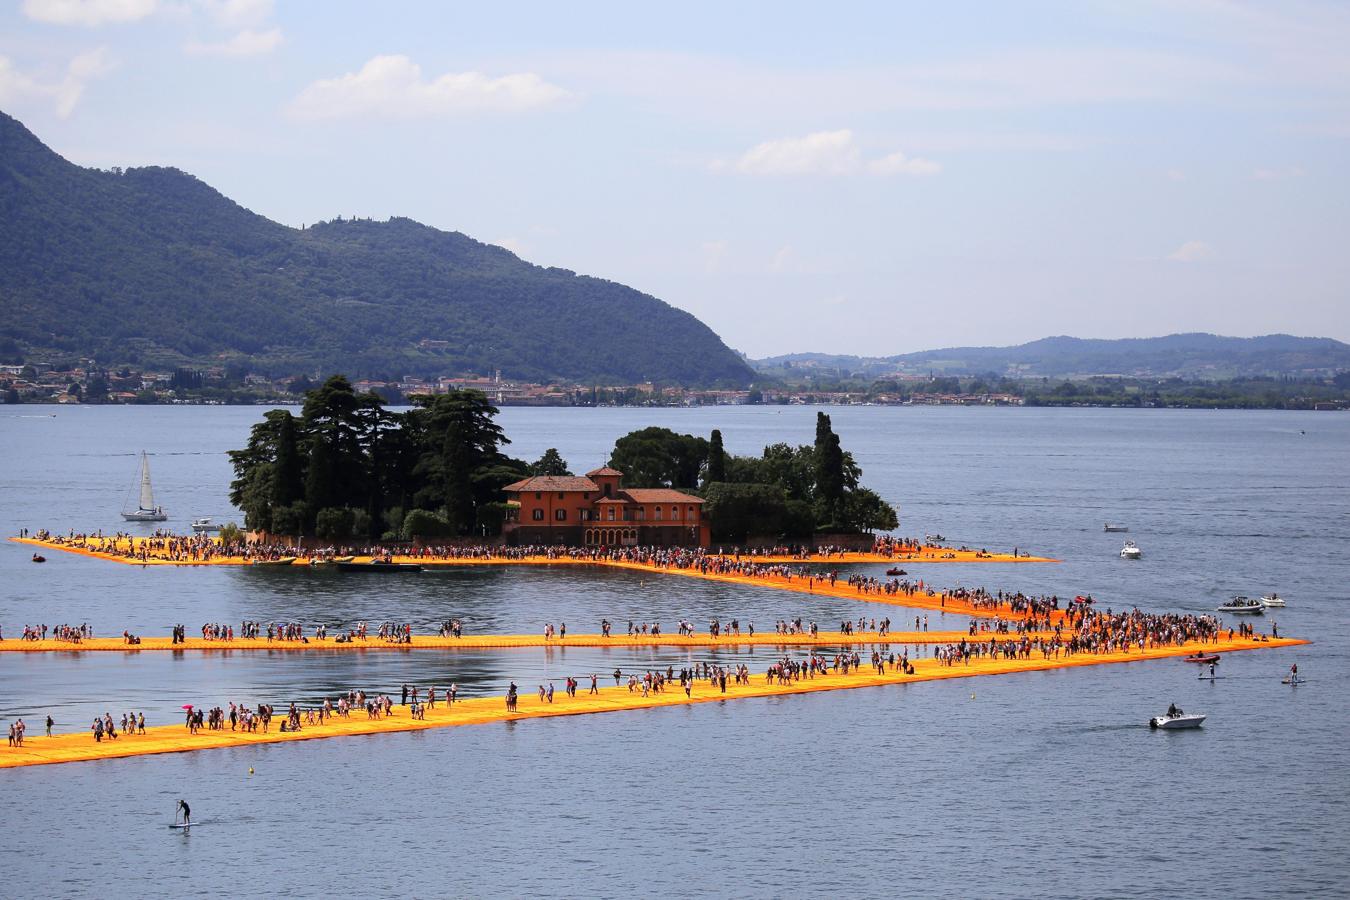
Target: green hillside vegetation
[[149, 266]]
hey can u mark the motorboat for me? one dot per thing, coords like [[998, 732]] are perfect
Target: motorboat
[[1203, 658], [283, 561], [1175, 718], [895, 572], [1131, 551], [37, 557], [204, 525], [378, 565], [1112, 529], [1272, 600], [934, 538], [1243, 606]]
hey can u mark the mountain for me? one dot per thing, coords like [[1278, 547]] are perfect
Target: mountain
[[151, 266], [1201, 356]]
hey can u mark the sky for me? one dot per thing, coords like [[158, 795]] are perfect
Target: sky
[[868, 178]]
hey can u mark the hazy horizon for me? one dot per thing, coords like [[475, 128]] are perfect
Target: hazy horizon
[[877, 180]]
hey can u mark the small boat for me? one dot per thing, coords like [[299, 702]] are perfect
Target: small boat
[[1175, 718], [1112, 529], [895, 572], [1243, 606], [39, 558], [1272, 600], [283, 561], [934, 538], [204, 525], [146, 511], [378, 565], [1131, 551], [1204, 658]]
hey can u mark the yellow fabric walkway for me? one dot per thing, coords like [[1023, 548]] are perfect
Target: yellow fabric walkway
[[78, 747], [123, 550], [506, 641]]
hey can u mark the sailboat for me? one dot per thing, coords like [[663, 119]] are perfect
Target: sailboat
[[147, 511]]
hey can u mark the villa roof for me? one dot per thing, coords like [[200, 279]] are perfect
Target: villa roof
[[604, 470], [553, 483], [661, 495]]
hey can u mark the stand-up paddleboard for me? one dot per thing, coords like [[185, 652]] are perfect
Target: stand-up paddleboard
[[1210, 677], [188, 825], [1294, 681]]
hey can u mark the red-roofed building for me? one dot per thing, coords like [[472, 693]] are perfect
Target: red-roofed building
[[595, 511]]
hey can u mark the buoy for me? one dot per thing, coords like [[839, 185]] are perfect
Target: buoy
[[250, 770], [972, 696]]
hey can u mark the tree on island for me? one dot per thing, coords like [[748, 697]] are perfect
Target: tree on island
[[659, 458], [346, 467], [786, 492], [551, 463]]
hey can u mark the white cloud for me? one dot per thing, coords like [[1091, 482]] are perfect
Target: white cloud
[[245, 43], [237, 13], [1191, 251], [820, 153], [19, 88], [899, 164], [87, 12], [1278, 174], [824, 153], [393, 86]]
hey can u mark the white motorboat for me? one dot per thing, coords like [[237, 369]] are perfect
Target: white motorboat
[[1272, 600], [1243, 606], [1131, 551], [1108, 527], [204, 525], [934, 538], [1175, 718], [146, 511]]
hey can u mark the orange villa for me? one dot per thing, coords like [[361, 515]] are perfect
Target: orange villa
[[593, 510]]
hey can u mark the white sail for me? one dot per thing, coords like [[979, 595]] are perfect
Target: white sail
[[147, 495], [146, 511]]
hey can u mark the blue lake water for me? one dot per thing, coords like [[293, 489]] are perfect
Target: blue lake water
[[1042, 784]]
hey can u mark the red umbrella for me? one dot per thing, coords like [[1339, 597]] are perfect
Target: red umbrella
[[187, 706]]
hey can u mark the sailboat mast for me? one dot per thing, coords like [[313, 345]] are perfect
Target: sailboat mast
[[147, 495]]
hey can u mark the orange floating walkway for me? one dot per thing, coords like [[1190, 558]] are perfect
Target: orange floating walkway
[[81, 747], [919, 599], [123, 550], [509, 641]]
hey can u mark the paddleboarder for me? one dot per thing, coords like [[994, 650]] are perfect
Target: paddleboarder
[[187, 813]]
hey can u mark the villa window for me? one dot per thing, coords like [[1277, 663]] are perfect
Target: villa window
[[538, 495], [560, 515], [674, 513], [610, 513], [539, 515], [657, 511]]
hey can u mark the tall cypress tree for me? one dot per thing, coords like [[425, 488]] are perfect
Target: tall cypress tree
[[287, 473], [717, 458], [829, 472]]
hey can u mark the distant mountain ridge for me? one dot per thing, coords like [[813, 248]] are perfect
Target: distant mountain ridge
[[1195, 355], [152, 266]]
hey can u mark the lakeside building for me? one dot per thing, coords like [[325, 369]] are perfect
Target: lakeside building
[[594, 511]]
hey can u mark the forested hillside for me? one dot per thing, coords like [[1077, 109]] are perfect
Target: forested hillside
[[151, 266]]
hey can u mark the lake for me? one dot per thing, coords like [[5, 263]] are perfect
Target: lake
[[1045, 784]]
